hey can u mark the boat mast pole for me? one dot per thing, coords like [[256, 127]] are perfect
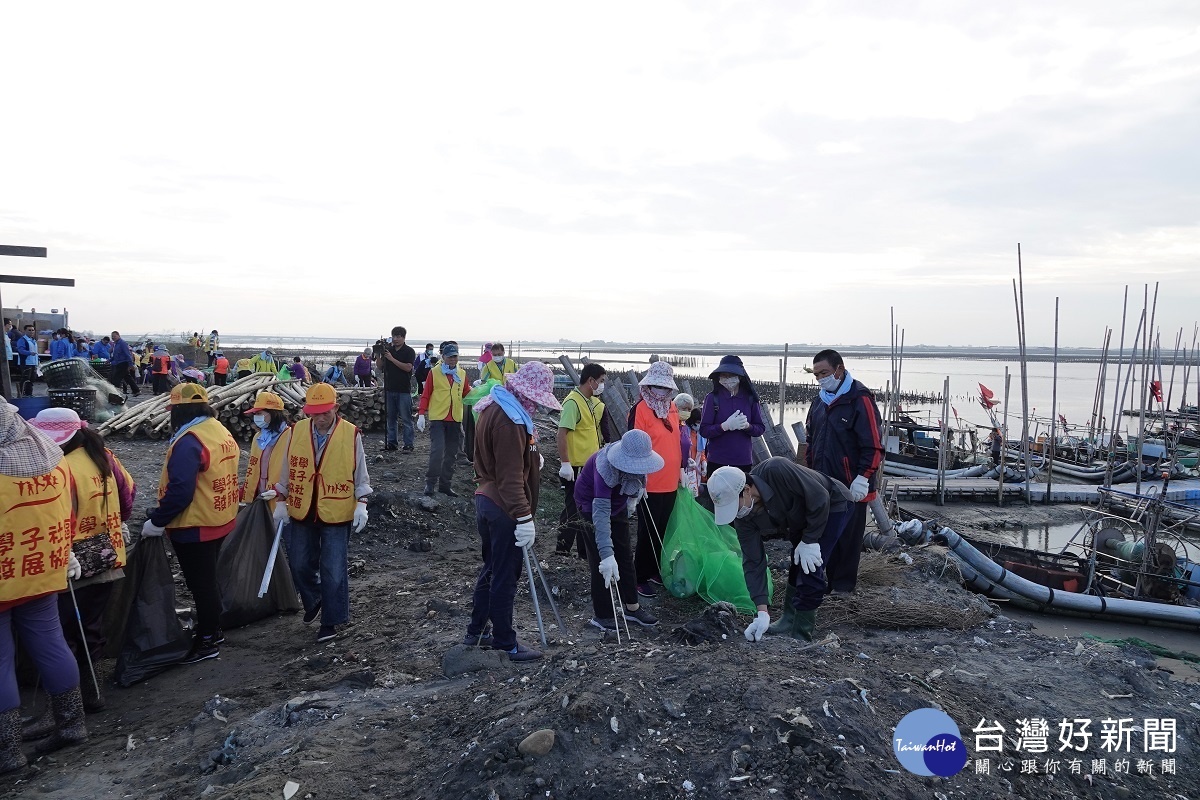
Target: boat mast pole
[[1053, 410], [1146, 356], [1004, 442], [1115, 419], [1097, 425], [943, 445], [1019, 299], [1133, 349], [1171, 385]]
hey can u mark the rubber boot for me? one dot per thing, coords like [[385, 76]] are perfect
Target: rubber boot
[[806, 621], [41, 726], [68, 721], [11, 756], [784, 626], [93, 700]]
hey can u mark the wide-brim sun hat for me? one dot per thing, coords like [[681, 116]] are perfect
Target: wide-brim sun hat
[[57, 424], [634, 453], [660, 374], [266, 401], [534, 381], [319, 398], [725, 487], [185, 393], [732, 365]]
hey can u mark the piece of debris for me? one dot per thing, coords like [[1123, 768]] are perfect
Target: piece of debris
[[289, 790], [538, 743]]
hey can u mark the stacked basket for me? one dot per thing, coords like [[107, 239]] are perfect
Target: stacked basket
[[67, 382]]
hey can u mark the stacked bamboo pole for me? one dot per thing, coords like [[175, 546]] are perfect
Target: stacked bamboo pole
[[364, 407]]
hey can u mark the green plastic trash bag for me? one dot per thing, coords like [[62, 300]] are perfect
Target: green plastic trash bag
[[479, 392], [701, 557]]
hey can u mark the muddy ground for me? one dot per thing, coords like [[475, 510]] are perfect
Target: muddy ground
[[395, 707]]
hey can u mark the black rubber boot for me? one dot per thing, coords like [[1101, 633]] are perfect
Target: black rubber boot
[[784, 626], [40, 726], [93, 700], [68, 721], [11, 756]]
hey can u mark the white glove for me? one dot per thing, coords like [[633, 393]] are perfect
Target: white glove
[[269, 494], [755, 631], [565, 472], [125, 533], [691, 463], [524, 533], [477, 383], [360, 517], [683, 476], [808, 557], [734, 423], [704, 469], [541, 462], [609, 571], [280, 514], [859, 489], [150, 530], [73, 568], [421, 423]]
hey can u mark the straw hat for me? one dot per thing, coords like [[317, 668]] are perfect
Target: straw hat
[[634, 453], [534, 381], [58, 424]]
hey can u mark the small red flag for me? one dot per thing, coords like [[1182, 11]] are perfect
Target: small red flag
[[1156, 390]]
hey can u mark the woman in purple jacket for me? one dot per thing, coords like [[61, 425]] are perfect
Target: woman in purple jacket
[[731, 417]]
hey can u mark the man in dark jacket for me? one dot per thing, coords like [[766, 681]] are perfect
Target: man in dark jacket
[[844, 443], [782, 498]]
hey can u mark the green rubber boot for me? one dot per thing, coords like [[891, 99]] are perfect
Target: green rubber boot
[[784, 626], [806, 621]]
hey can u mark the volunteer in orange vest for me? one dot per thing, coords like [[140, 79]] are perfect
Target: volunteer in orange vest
[[442, 401], [36, 530], [104, 493], [655, 414], [268, 449], [197, 505], [160, 364], [220, 369], [325, 490]]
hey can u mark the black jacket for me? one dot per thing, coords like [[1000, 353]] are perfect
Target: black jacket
[[843, 438], [797, 500]]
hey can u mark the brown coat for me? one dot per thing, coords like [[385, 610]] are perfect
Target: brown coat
[[507, 463]]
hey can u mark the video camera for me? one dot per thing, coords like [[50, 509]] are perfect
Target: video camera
[[379, 348]]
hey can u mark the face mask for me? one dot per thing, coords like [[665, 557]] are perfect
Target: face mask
[[262, 420], [731, 383], [694, 417], [600, 388], [660, 392], [830, 383], [744, 511]]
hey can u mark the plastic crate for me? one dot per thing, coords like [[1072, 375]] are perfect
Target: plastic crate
[[83, 401]]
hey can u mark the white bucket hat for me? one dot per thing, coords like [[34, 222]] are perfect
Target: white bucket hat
[[725, 487], [634, 454]]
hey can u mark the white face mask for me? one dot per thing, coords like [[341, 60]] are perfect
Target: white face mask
[[731, 383], [830, 383], [744, 511], [600, 388], [262, 420]]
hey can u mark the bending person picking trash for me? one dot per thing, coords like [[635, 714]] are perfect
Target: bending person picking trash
[[508, 465], [610, 480], [781, 497]]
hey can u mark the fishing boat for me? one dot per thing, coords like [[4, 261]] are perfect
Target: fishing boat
[[912, 452], [1129, 569]]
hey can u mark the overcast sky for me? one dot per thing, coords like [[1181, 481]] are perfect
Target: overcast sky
[[734, 172]]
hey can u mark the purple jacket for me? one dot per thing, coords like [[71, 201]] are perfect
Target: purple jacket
[[589, 485], [298, 371], [730, 447], [362, 366]]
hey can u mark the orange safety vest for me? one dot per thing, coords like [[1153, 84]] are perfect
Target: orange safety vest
[[215, 503], [98, 506], [221, 366], [161, 364], [665, 443], [37, 527], [329, 482], [274, 466]]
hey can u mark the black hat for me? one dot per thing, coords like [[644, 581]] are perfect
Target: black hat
[[733, 366]]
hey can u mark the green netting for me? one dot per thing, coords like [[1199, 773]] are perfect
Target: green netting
[[701, 557], [479, 392]]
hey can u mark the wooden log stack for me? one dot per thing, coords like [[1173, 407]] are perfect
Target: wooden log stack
[[364, 407]]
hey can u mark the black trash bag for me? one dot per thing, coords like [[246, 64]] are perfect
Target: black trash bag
[[240, 566], [154, 639]]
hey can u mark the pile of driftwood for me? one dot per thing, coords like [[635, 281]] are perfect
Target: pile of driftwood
[[362, 406]]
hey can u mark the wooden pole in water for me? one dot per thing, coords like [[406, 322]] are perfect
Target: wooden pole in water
[[900, 374], [1004, 441], [1174, 361], [783, 382], [1024, 385], [1098, 398], [1053, 411], [1146, 338], [943, 443]]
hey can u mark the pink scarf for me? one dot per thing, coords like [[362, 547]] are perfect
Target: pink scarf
[[661, 406]]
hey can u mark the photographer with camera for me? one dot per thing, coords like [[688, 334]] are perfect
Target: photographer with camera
[[396, 363]]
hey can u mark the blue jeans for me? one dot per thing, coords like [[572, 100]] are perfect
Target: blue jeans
[[399, 407], [496, 586], [42, 637], [810, 588], [317, 554]]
